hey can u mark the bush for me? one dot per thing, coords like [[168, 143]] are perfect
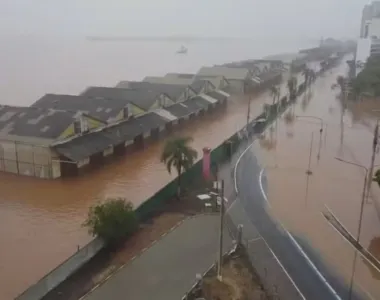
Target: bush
[[113, 220]]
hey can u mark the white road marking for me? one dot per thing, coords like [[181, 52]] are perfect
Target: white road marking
[[262, 188], [361, 254], [286, 272], [357, 283], [290, 236], [265, 197], [311, 264]]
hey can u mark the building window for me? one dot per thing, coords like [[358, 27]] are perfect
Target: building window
[[77, 127], [126, 112], [84, 125], [81, 126]]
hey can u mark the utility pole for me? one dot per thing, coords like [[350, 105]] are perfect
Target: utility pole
[[308, 171], [363, 198], [374, 146], [220, 254], [248, 111]]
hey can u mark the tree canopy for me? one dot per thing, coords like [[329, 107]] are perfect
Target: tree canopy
[[368, 80], [113, 220], [179, 154], [292, 87]]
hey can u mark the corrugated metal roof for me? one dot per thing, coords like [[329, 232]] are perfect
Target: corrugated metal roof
[[142, 98], [34, 122], [99, 107], [229, 73], [179, 110], [174, 91], [86, 145]]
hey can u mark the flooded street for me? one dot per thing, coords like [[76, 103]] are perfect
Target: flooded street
[[40, 221], [298, 200], [45, 217]]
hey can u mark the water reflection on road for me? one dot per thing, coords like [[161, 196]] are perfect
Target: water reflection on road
[[298, 199]]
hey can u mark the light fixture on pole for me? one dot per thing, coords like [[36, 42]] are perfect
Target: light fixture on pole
[[320, 132], [367, 180]]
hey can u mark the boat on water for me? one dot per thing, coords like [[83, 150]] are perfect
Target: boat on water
[[182, 50]]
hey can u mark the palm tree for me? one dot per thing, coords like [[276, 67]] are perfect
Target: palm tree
[[178, 154], [292, 87], [340, 83], [306, 73], [275, 93]]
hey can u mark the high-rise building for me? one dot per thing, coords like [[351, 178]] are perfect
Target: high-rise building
[[366, 16], [369, 41], [370, 12]]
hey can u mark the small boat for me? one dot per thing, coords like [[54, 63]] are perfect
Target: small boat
[[182, 50]]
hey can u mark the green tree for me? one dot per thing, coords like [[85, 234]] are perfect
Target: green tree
[[377, 177], [306, 74], [113, 220], [275, 93], [368, 80], [292, 87], [178, 154], [340, 83]]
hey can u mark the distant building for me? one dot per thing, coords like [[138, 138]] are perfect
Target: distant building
[[239, 79], [176, 92], [369, 12], [369, 42], [106, 109], [218, 82], [145, 100]]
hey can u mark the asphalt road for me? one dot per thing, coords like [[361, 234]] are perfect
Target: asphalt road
[[307, 279]]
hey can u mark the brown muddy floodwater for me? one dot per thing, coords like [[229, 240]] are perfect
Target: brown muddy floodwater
[[298, 200], [40, 221]]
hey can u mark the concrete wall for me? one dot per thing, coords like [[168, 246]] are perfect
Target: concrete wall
[[60, 273], [26, 159]]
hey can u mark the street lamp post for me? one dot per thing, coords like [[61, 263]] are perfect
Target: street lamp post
[[308, 171], [248, 111], [320, 132], [374, 146], [367, 179]]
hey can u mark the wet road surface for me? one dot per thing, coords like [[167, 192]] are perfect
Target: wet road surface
[[297, 200]]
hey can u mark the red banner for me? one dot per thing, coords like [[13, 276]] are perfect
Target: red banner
[[206, 163]]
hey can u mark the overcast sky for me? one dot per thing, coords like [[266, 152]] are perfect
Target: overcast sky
[[234, 18]]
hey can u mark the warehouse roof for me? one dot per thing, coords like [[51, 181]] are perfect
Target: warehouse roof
[[142, 98], [99, 107], [172, 90], [229, 73], [84, 146], [34, 122]]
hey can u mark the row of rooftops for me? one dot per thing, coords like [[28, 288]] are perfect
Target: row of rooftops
[[178, 94]]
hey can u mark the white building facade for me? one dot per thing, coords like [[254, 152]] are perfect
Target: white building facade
[[369, 41]]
